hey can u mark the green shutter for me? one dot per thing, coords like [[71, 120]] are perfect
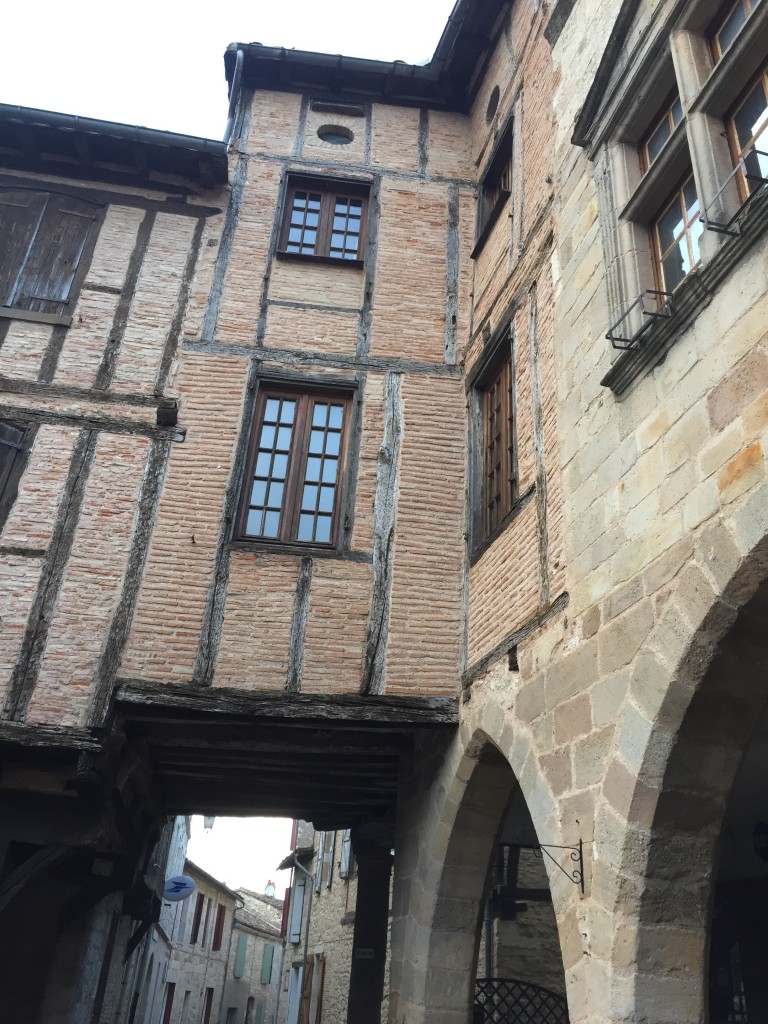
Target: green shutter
[[260, 1014], [266, 964], [242, 947]]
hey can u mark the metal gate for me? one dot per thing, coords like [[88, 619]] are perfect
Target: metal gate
[[505, 1001]]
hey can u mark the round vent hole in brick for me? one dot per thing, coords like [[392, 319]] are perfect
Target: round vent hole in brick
[[336, 134]]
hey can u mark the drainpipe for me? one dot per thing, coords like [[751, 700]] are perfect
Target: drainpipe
[[233, 95]]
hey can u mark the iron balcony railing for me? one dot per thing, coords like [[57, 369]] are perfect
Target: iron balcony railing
[[506, 1001], [752, 171]]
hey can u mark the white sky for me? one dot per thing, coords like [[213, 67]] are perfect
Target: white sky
[[159, 63], [243, 851]]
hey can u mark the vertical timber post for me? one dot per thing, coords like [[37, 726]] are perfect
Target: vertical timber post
[[369, 943]]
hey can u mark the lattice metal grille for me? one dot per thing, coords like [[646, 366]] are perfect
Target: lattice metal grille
[[504, 1001]]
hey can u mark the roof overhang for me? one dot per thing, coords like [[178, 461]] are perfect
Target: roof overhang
[[448, 82], [46, 142]]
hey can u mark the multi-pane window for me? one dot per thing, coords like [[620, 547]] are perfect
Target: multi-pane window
[[325, 219], [729, 25], [660, 132], [499, 479], [496, 186], [748, 135], [45, 238], [675, 235], [294, 474]]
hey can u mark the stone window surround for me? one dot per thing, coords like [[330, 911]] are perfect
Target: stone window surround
[[629, 199]]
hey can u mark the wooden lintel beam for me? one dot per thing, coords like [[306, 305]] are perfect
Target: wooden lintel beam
[[398, 711]]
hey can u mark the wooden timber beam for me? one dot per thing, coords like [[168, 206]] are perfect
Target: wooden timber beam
[[397, 711]]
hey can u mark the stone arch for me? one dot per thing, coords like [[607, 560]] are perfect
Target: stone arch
[[454, 825], [699, 688]]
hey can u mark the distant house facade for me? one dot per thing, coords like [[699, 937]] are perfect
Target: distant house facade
[[252, 984], [201, 941]]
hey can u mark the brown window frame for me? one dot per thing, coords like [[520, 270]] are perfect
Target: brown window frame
[[719, 24], [737, 150], [330, 190], [495, 186], [298, 455], [656, 251], [31, 257], [500, 482]]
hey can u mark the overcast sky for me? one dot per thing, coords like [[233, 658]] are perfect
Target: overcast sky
[[159, 63], [243, 852]]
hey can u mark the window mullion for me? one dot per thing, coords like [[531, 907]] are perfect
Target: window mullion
[[296, 469], [327, 206]]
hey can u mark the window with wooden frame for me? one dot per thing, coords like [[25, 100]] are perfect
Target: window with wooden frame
[[325, 220], [495, 187], [675, 236], [15, 443], [295, 468], [47, 241], [747, 126], [729, 24], [660, 132], [499, 491]]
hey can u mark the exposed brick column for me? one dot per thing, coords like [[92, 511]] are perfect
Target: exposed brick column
[[369, 944]]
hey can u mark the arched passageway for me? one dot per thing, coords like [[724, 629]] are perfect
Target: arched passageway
[[475, 939], [701, 944]]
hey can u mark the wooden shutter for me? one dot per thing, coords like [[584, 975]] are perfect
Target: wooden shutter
[[260, 1014], [20, 215], [319, 862], [197, 918], [242, 949], [297, 909], [306, 990], [266, 963], [319, 985], [218, 928], [11, 448], [329, 842], [208, 1006], [346, 853], [45, 281], [284, 913]]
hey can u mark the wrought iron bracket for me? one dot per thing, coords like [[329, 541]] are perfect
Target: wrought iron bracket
[[663, 310], [576, 874], [732, 225]]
